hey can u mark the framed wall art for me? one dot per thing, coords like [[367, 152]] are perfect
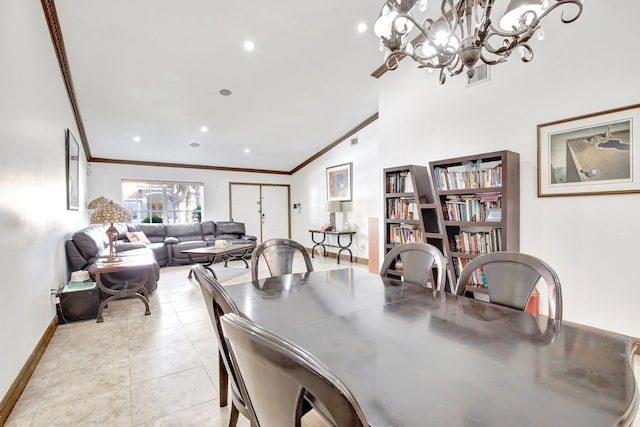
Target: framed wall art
[[73, 167], [592, 154], [339, 183]]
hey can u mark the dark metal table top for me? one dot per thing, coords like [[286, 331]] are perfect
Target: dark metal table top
[[416, 357]]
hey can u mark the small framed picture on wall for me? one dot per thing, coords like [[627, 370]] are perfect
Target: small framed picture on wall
[[339, 181]]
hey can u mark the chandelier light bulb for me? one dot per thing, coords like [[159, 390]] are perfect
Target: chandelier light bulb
[[422, 6], [540, 34]]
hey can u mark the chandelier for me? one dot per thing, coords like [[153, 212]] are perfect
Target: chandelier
[[464, 33]]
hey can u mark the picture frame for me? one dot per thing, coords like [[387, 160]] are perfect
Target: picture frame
[[72, 150], [339, 179], [592, 154]]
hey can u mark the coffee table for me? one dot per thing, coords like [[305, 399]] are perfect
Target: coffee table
[[140, 267], [234, 252]]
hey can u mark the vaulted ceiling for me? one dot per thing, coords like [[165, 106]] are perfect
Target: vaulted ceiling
[[154, 69]]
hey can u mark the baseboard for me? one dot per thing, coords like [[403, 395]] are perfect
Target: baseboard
[[18, 386], [343, 257]]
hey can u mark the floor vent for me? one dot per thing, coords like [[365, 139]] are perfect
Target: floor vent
[[481, 75]]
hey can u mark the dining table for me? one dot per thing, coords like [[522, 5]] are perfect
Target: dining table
[[414, 356]]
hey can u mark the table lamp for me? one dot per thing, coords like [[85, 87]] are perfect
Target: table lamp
[[98, 203], [109, 213], [333, 206]]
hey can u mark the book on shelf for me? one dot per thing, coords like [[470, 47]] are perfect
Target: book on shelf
[[400, 234], [478, 279], [402, 208], [469, 176], [471, 208], [480, 242], [399, 182]]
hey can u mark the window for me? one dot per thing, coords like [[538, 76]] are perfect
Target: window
[[167, 202]]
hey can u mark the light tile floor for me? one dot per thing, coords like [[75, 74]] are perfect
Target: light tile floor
[[137, 370]]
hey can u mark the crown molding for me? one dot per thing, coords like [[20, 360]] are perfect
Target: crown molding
[[184, 166], [51, 16], [352, 132]]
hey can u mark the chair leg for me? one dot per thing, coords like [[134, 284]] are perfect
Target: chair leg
[[233, 416], [223, 382]]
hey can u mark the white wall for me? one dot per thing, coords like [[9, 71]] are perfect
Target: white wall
[[580, 68], [34, 112], [309, 188], [105, 180]]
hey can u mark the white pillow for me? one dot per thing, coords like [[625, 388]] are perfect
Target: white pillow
[[138, 237]]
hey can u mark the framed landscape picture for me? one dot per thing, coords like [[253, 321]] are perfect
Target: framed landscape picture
[[73, 167], [590, 155], [339, 183]]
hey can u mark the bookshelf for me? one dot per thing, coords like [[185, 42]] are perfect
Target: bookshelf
[[411, 212], [479, 200]]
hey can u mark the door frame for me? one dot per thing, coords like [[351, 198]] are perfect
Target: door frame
[[260, 185]]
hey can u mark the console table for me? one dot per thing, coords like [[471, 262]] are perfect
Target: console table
[[343, 246]]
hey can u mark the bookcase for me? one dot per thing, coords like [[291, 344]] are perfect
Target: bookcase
[[411, 212], [479, 200]]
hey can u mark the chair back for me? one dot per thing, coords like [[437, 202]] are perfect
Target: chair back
[[511, 278], [219, 303], [418, 260], [279, 255], [279, 375]]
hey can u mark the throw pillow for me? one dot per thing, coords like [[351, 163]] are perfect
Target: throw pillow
[[138, 237]]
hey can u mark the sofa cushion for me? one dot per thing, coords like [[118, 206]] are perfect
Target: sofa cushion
[[161, 253], [138, 237], [185, 232], [177, 257], [123, 246], [154, 232], [229, 227], [91, 240], [208, 228]]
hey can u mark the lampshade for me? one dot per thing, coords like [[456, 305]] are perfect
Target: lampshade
[[333, 206], [109, 213], [98, 203]]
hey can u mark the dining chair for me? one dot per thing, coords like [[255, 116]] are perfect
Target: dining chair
[[219, 303], [280, 377], [418, 260], [278, 255], [511, 278]]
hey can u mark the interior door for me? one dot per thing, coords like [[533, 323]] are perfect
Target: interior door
[[275, 212], [264, 209], [245, 207]]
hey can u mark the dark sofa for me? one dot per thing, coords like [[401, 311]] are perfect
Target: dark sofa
[[167, 242]]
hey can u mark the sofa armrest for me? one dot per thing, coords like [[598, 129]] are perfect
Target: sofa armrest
[[171, 241], [248, 237]]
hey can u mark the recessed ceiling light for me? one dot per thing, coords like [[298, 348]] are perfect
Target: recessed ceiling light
[[204, 129], [362, 27], [195, 144], [225, 92], [249, 46], [247, 151], [137, 139]]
